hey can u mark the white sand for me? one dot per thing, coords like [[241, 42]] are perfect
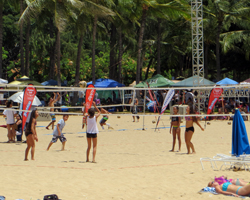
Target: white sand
[[131, 164]]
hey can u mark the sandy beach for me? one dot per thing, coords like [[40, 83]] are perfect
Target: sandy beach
[[131, 163]]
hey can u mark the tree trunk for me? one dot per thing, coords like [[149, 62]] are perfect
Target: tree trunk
[[52, 50], [148, 67], [58, 58], [1, 41], [93, 50], [112, 56], [140, 40], [206, 60], [119, 79], [21, 41], [218, 50], [78, 60], [181, 62], [141, 62], [27, 49], [158, 69]]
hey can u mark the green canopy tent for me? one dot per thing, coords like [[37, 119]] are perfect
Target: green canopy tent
[[189, 82], [155, 82]]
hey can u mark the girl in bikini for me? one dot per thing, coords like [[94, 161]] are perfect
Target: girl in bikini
[[175, 123], [31, 135], [190, 129], [230, 189]]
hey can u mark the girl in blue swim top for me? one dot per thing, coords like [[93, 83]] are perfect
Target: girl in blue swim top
[[175, 123], [230, 189], [190, 129]]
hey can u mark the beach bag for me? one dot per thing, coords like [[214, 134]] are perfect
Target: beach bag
[[51, 197]]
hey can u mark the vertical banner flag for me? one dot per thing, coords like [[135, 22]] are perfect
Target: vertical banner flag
[[90, 93], [213, 98], [28, 97], [167, 100]]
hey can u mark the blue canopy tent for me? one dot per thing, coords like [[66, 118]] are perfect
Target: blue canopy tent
[[52, 82], [227, 81], [240, 144], [106, 83]]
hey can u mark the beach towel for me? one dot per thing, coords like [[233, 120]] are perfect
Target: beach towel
[[212, 191]]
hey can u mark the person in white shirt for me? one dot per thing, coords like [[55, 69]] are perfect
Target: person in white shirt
[[10, 115], [92, 130], [57, 133]]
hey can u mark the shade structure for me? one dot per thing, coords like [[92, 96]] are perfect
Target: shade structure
[[245, 82], [189, 82], [52, 82], [3, 81], [106, 83], [155, 82], [240, 143], [18, 98], [24, 80], [227, 81]]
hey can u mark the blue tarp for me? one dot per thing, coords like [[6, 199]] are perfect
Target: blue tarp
[[240, 144], [227, 81], [53, 82], [104, 83]]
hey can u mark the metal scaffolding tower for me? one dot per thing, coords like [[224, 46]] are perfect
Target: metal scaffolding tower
[[197, 51]]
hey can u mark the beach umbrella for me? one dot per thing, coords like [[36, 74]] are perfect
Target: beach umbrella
[[240, 144], [18, 98]]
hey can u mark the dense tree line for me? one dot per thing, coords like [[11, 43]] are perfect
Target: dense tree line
[[125, 40]]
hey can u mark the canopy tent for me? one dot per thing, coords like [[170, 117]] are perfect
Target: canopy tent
[[106, 83], [24, 80], [18, 97], [3, 81], [240, 144], [189, 82], [155, 82], [227, 81], [245, 82], [52, 82]]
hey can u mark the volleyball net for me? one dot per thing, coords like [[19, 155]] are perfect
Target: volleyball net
[[121, 101]]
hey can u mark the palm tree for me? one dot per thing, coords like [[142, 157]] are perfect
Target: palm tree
[[1, 37], [224, 12], [61, 10]]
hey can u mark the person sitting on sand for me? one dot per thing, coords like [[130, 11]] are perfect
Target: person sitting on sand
[[57, 133], [220, 117], [175, 123], [190, 129], [230, 189], [92, 130], [31, 135]]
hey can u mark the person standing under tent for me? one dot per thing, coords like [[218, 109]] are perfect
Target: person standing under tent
[[134, 109], [190, 129], [175, 123], [52, 102], [31, 135], [10, 115], [92, 130]]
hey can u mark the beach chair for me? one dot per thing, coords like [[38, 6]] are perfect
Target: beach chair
[[240, 148], [231, 162]]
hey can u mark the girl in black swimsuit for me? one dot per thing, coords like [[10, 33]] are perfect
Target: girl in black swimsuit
[[31, 135], [190, 129]]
